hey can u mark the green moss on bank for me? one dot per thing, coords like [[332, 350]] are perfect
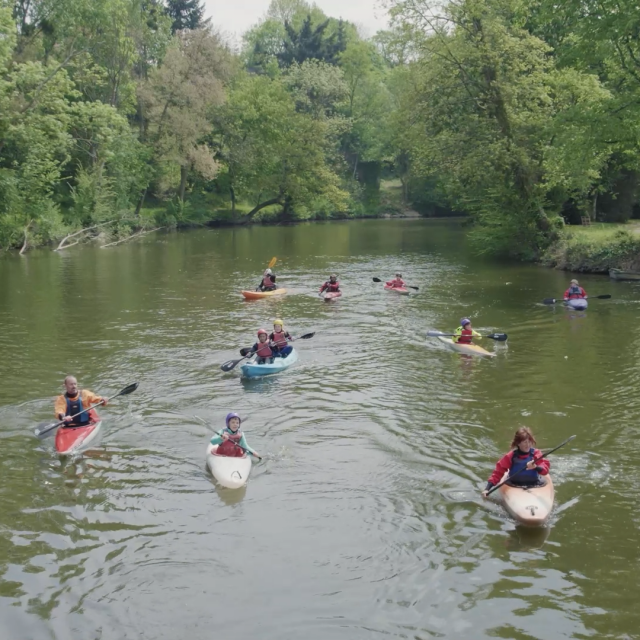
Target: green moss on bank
[[596, 249]]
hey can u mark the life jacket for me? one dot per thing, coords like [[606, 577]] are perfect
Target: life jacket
[[520, 461], [75, 406], [264, 350], [574, 292], [228, 448], [279, 338], [331, 286], [465, 336], [396, 283], [267, 282]]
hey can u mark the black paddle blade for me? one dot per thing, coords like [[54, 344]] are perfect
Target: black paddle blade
[[127, 390], [244, 351], [604, 296], [230, 364], [549, 301], [500, 337], [306, 336], [416, 288], [44, 429], [377, 280]]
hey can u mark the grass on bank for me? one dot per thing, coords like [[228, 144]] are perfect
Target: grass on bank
[[596, 248]]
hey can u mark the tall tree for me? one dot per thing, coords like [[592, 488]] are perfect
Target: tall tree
[[185, 14], [311, 42]]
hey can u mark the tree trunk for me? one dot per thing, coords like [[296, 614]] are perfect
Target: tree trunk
[[233, 202], [184, 172], [595, 207], [264, 204]]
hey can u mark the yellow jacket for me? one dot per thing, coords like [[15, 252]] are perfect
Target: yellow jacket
[[88, 398]]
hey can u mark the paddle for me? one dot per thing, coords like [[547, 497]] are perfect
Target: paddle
[[272, 262], [42, 431], [247, 352], [605, 296], [544, 455], [406, 285], [500, 337]]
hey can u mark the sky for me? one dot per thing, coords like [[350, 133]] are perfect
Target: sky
[[236, 16]]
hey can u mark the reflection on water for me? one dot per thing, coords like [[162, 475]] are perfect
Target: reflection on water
[[364, 519]]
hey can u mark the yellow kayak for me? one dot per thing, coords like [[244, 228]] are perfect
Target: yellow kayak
[[256, 295], [469, 349]]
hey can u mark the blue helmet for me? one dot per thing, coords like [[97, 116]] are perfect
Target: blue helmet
[[232, 415], [464, 321]]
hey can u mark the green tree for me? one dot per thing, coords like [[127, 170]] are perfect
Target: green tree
[[185, 14]]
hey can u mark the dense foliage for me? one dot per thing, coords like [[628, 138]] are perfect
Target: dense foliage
[[130, 114]]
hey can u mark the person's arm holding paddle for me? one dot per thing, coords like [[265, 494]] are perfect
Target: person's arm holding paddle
[[88, 398], [503, 466]]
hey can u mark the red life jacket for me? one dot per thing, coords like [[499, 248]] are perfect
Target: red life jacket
[[465, 337], [575, 293], [397, 283], [264, 350], [331, 286], [268, 282], [280, 338], [227, 448]]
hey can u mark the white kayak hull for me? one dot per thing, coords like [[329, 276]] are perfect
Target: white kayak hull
[[531, 506], [253, 370], [579, 304], [231, 473], [469, 349]]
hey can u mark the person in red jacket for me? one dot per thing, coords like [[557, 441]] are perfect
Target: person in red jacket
[[574, 292], [331, 285], [397, 282], [523, 456]]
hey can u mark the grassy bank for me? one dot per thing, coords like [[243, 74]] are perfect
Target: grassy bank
[[596, 249]]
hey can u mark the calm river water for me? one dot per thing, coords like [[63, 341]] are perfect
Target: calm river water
[[363, 520]]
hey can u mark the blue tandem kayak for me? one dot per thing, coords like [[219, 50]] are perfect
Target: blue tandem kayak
[[253, 370]]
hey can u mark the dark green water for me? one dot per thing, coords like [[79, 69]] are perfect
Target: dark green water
[[363, 520]]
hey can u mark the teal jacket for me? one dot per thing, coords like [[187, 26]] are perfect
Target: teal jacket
[[217, 439]]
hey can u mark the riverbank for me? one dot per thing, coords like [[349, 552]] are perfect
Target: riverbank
[[596, 249]]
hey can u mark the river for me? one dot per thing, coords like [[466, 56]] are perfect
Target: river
[[363, 520]]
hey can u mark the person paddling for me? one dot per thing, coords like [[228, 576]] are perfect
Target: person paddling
[[279, 339], [230, 436], [73, 401], [263, 348], [397, 282], [268, 282], [575, 292], [331, 285], [465, 333], [523, 456]]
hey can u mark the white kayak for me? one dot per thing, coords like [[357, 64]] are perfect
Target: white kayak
[[469, 349], [579, 304], [232, 473], [532, 505], [254, 370]]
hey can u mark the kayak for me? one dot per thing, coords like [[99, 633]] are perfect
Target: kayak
[[256, 295], [528, 505], [400, 290], [253, 370], [70, 439], [231, 473], [579, 304], [331, 296], [470, 349]]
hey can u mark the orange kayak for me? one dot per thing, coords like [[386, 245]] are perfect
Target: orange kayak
[[256, 295], [532, 505]]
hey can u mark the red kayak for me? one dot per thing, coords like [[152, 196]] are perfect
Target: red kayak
[[400, 290], [71, 439], [331, 295]]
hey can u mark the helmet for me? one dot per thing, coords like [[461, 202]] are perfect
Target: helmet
[[232, 415], [278, 321], [266, 333], [398, 275], [267, 272], [464, 321], [574, 281], [332, 276]]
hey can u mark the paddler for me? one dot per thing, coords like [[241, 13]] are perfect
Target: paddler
[[575, 292], [263, 349], [331, 285], [465, 333], [397, 282], [230, 436], [279, 339], [73, 401], [523, 456], [268, 282]]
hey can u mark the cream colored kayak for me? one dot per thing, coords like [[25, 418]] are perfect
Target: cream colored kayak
[[232, 473], [530, 506], [469, 349]]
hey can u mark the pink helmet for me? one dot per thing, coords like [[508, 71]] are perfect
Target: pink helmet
[[266, 333]]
